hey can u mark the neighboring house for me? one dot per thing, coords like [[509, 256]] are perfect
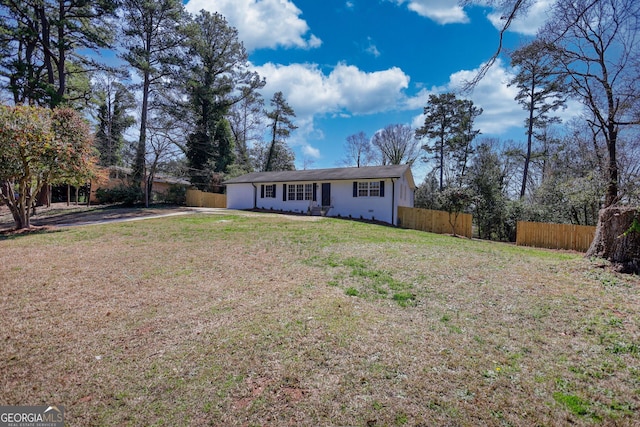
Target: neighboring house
[[372, 192], [115, 176], [162, 183]]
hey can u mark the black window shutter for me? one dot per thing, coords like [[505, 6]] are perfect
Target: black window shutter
[[355, 189], [262, 191], [315, 192], [381, 188], [284, 192], [274, 191]]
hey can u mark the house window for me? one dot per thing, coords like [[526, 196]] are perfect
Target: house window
[[363, 189], [308, 191], [300, 192], [270, 191], [368, 189], [374, 189]]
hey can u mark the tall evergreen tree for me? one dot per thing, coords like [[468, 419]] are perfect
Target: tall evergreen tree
[[281, 127], [486, 181], [282, 156], [540, 92], [152, 36], [462, 145], [43, 44], [216, 77], [448, 125], [426, 195], [440, 126], [114, 103]]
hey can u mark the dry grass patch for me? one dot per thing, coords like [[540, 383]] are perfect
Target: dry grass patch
[[235, 320]]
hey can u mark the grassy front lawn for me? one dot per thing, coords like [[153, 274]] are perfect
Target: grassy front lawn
[[271, 320]]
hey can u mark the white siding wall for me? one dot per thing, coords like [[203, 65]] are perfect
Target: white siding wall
[[344, 204], [297, 206], [240, 196], [404, 193]]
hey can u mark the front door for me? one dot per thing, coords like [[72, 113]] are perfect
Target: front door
[[326, 194]]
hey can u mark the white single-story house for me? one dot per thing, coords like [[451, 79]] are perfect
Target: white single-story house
[[372, 192]]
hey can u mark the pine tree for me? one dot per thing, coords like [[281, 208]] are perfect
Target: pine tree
[[540, 92], [151, 39], [281, 127], [113, 120]]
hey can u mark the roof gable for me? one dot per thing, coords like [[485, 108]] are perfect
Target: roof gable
[[334, 174]]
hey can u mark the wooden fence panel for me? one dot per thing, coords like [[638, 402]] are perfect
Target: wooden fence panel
[[555, 236], [433, 221], [200, 199]]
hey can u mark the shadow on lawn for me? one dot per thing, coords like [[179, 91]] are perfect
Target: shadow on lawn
[[12, 234], [67, 216]]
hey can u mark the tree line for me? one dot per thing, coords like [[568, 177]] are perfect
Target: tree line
[[587, 52], [186, 84]]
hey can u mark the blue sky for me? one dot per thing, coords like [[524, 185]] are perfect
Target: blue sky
[[347, 66]]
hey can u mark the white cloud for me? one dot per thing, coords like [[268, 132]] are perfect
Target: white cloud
[[450, 12], [501, 112], [372, 48], [495, 97], [440, 11], [314, 42], [262, 23], [346, 88], [527, 24], [311, 152], [344, 91]]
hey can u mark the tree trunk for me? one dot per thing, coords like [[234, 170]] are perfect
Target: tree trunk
[[272, 147], [617, 238], [527, 159]]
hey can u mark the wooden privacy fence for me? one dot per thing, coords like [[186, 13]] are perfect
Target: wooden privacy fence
[[555, 236], [433, 221], [200, 199]]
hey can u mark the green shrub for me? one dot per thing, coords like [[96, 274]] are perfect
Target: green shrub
[[177, 194], [121, 194]]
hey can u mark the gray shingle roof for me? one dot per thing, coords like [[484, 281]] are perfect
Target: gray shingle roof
[[335, 174]]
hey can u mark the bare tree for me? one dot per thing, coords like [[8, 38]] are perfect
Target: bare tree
[[161, 148], [396, 145], [596, 42], [358, 150], [510, 10], [597, 46], [247, 120]]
